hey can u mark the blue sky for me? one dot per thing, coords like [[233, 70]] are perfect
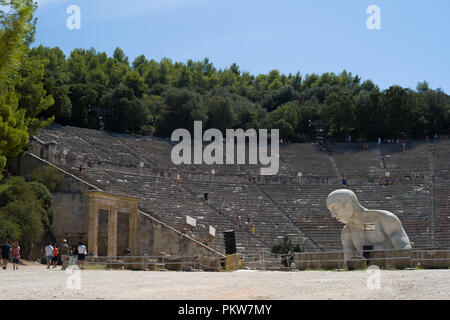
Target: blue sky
[[312, 36]]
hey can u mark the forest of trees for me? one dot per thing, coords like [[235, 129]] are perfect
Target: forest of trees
[[162, 96], [146, 95], [26, 203]]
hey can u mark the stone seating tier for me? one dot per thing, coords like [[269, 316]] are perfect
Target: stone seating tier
[[278, 210]]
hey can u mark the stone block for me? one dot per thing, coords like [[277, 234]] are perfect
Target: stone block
[[399, 259]]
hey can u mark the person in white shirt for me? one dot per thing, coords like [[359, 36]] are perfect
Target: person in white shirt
[[82, 252], [48, 254]]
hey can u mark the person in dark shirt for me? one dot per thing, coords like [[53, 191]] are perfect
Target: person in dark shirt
[[206, 197], [6, 252]]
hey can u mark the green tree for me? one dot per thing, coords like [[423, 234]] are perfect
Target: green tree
[[49, 177], [83, 97], [134, 81], [26, 211], [76, 67], [16, 32], [285, 118], [220, 113], [56, 82], [307, 112], [181, 108], [128, 112], [287, 249], [369, 120], [338, 110], [33, 96], [120, 56], [436, 112], [140, 64], [397, 111]]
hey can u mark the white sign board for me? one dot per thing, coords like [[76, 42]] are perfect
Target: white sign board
[[141, 164], [300, 174], [388, 174], [213, 172], [212, 231], [65, 151], [191, 221]]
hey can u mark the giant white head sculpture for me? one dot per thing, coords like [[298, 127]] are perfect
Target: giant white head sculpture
[[342, 205]]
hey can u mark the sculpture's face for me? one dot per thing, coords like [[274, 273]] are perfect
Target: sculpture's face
[[341, 209]]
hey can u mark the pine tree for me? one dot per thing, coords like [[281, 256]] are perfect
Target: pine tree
[[16, 32]]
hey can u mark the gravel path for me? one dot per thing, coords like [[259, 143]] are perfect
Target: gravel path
[[36, 282]]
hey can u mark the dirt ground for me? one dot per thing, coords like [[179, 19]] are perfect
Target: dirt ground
[[35, 282]]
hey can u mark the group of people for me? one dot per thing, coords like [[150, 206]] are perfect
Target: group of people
[[249, 224], [397, 141], [365, 145], [10, 251], [52, 252], [389, 141], [386, 181]]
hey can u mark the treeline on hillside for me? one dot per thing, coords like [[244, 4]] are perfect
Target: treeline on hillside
[[163, 96]]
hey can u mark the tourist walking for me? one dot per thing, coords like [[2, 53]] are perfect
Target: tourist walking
[[82, 252], [64, 254], [248, 224], [206, 197], [48, 254], [15, 255], [55, 254], [6, 252], [238, 221]]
